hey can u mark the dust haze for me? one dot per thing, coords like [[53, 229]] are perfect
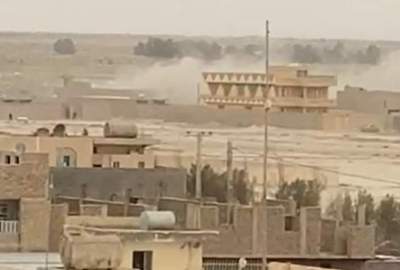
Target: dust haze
[[178, 79]]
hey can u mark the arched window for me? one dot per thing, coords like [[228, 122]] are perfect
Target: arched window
[[66, 157]]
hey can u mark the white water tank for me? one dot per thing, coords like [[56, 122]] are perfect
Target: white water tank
[[157, 220], [118, 128]]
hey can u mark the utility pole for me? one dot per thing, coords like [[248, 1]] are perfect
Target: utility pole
[[267, 105], [199, 139], [229, 170]]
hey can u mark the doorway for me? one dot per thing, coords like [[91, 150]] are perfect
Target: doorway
[[142, 260]]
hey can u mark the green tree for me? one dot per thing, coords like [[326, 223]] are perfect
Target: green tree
[[214, 184], [157, 47], [303, 192], [241, 189], [305, 54], [387, 215], [365, 198], [348, 212], [64, 46]]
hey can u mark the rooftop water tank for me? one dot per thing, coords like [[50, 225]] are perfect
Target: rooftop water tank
[[120, 129], [157, 220]]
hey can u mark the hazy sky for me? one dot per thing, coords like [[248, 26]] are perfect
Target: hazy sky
[[365, 19]]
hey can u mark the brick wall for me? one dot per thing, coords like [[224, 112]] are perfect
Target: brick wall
[[28, 179], [34, 224]]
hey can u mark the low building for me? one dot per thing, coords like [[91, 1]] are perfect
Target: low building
[[291, 89], [86, 247], [120, 147], [278, 231]]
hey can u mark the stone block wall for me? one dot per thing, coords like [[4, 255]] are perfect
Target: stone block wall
[[280, 241], [209, 217], [234, 238], [328, 228], [187, 212], [361, 241], [28, 179], [34, 224], [93, 210], [310, 230]]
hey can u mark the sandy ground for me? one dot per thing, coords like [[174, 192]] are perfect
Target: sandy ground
[[29, 261], [356, 160]]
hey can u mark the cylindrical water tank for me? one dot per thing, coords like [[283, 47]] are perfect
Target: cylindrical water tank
[[120, 129], [157, 220]]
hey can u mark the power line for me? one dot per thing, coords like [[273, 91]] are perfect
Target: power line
[[353, 175], [369, 178]]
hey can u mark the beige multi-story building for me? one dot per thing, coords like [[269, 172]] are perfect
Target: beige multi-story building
[[291, 89], [109, 151]]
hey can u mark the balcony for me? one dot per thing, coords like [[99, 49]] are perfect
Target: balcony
[[218, 100], [276, 101], [8, 226], [303, 102]]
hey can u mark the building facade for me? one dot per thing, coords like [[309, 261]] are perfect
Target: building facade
[[133, 247], [23, 199], [84, 151], [291, 89]]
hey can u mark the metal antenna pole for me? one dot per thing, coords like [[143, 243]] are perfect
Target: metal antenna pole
[[266, 108]]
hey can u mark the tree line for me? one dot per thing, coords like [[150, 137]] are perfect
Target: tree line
[[209, 51], [337, 55]]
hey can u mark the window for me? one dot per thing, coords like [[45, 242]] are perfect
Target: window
[[97, 166], [66, 161], [116, 164], [289, 223], [8, 159], [141, 164], [16, 159], [142, 260]]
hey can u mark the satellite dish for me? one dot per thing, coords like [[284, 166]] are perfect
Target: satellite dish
[[242, 263], [20, 148]]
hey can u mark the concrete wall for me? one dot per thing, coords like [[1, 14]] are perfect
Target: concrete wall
[[175, 255], [187, 213], [59, 213], [28, 179], [105, 183], [34, 224], [93, 210], [9, 242], [280, 241], [36, 110], [328, 229], [361, 241], [310, 230], [382, 265], [361, 100]]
